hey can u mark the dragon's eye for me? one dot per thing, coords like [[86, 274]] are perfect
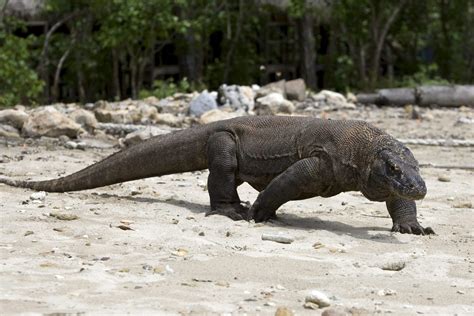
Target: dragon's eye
[[393, 167]]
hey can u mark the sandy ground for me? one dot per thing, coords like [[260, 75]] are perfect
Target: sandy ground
[[177, 261]]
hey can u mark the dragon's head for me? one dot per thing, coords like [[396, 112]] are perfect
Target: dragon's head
[[396, 172]]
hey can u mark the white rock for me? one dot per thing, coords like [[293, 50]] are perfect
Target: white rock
[[273, 103], [38, 196], [386, 292], [15, 118], [47, 121], [216, 115], [319, 298], [70, 145], [85, 118], [280, 238]]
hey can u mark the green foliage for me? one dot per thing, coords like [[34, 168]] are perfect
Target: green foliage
[[18, 81], [164, 88], [426, 75]]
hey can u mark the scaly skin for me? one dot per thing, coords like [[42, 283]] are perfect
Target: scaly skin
[[284, 158]]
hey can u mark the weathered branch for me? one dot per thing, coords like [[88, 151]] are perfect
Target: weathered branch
[[234, 42], [58, 73]]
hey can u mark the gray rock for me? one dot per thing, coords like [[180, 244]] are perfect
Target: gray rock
[[47, 121], [295, 90], [274, 87], [203, 103], [168, 119], [15, 118], [272, 104], [237, 97], [70, 145], [141, 135], [9, 131], [85, 118]]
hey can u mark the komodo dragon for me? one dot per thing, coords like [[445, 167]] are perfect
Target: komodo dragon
[[284, 158]]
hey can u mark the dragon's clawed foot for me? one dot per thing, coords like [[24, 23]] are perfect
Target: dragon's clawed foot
[[412, 228], [236, 212]]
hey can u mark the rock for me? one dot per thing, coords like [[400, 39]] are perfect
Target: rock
[[47, 121], [351, 97], [15, 118], [168, 119], [203, 103], [85, 118], [393, 266], [113, 116], [141, 135], [309, 305], [144, 113], [461, 120], [64, 216], [236, 97], [332, 99], [9, 131], [272, 104], [274, 87], [295, 90], [444, 179], [283, 311], [38, 196], [319, 298], [215, 115], [386, 292], [336, 311], [70, 145], [280, 238]]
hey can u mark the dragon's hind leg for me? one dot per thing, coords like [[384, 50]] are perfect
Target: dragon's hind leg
[[222, 183]]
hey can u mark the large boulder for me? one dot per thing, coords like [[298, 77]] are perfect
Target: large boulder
[[272, 104], [47, 121], [203, 103], [15, 118], [237, 97], [295, 90], [85, 118], [274, 87]]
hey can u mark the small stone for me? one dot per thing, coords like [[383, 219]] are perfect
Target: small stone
[[386, 292], [280, 238], [310, 305], [283, 311], [124, 270], [269, 304], [124, 227], [126, 221], [337, 311], [222, 283], [38, 196], [393, 266], [318, 298], [444, 179], [318, 245], [201, 234], [180, 252], [460, 292], [70, 145], [174, 221], [64, 216], [28, 232], [463, 205]]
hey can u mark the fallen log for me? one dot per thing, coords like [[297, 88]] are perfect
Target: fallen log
[[452, 95]]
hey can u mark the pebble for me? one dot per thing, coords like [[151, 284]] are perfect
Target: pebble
[[38, 196], [393, 266], [70, 145], [28, 232], [318, 298], [386, 292], [283, 311], [338, 311], [64, 216], [279, 237], [444, 179], [310, 305], [318, 245]]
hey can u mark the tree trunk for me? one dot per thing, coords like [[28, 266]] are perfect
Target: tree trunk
[[57, 75], [115, 75], [308, 51], [380, 37], [233, 44]]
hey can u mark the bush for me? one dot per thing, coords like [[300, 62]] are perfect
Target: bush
[[18, 81]]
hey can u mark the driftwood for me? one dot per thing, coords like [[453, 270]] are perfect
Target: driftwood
[[438, 142], [454, 95]]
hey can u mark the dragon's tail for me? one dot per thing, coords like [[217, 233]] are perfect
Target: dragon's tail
[[176, 152]]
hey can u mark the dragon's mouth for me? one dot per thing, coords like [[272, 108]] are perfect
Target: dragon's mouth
[[408, 191]]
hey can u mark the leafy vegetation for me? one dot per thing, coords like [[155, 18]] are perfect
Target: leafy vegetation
[[109, 49]]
